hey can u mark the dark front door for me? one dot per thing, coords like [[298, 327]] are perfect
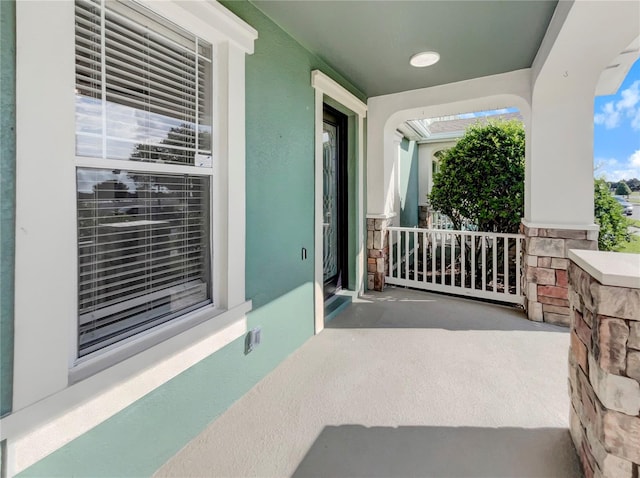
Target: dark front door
[[334, 168]]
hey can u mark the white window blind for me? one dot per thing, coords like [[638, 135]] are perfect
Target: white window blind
[[143, 86], [143, 93], [143, 252]]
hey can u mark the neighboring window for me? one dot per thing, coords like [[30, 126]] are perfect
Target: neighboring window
[[143, 156], [435, 165]]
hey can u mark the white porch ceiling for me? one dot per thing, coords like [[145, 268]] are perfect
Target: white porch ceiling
[[370, 42]]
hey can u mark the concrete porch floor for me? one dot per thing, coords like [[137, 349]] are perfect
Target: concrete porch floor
[[402, 383]]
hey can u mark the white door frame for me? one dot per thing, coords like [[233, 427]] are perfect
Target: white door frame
[[326, 87]]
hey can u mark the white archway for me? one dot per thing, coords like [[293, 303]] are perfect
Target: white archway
[[387, 112], [555, 98]]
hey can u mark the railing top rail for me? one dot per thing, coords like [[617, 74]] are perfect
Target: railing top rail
[[456, 231]]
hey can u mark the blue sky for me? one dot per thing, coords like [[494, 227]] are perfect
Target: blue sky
[[616, 132]]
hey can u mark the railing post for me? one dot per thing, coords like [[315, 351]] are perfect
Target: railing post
[[545, 264], [377, 252]]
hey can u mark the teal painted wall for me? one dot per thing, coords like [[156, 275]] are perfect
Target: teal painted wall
[[280, 182], [7, 198], [408, 183], [138, 440], [280, 157]]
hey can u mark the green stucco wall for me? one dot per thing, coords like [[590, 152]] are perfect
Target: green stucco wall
[[280, 157], [280, 182], [409, 183], [138, 440], [7, 198]]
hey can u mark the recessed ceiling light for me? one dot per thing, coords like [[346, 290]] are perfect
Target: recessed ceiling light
[[425, 58]]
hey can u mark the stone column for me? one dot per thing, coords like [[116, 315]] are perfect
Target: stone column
[[545, 263], [424, 214], [604, 363], [377, 252], [424, 219]]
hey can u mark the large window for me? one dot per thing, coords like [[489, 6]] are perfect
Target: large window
[[130, 203], [143, 97]]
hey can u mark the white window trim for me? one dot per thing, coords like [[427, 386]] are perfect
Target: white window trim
[[47, 408], [326, 87]]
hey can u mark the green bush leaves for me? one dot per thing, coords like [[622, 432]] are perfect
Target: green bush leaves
[[608, 214], [481, 178]]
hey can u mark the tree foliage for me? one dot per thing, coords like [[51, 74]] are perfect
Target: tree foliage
[[177, 148], [608, 214], [634, 184], [481, 178], [623, 189]]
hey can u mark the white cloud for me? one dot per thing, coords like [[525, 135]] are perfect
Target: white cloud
[[635, 122], [620, 174], [615, 170], [630, 97], [610, 116], [605, 163], [628, 106], [88, 178]]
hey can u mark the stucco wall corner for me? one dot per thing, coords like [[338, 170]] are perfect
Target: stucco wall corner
[[7, 200]]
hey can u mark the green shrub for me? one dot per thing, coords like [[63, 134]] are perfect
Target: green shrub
[[623, 189], [481, 178], [608, 215]]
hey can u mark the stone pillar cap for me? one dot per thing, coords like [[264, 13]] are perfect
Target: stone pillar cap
[[609, 268], [383, 215]]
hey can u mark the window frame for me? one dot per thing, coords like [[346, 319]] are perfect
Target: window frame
[[85, 365], [50, 385]]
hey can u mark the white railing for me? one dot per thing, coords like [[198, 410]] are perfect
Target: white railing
[[479, 264]]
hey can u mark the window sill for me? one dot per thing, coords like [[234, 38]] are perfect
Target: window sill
[[41, 428], [129, 348]]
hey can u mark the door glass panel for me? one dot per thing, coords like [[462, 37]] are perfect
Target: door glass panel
[[329, 200]]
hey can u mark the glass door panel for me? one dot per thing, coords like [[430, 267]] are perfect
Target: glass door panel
[[329, 200], [334, 199]]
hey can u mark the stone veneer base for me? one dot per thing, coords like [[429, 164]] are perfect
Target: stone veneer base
[[604, 375], [424, 211], [377, 252], [545, 264]]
